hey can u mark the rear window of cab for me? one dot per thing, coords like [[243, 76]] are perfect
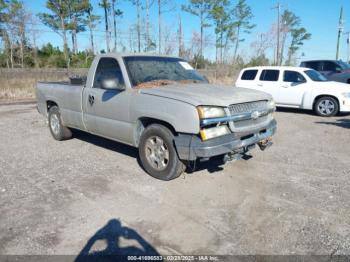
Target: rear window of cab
[[249, 74], [270, 75]]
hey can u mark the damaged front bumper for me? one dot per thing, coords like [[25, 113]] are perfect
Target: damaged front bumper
[[191, 147]]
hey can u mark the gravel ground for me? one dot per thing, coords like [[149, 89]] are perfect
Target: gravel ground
[[80, 195]]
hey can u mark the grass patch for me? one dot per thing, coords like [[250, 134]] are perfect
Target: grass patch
[[19, 84]]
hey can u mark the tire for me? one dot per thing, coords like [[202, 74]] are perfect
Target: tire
[[326, 106], [158, 154], [57, 129]]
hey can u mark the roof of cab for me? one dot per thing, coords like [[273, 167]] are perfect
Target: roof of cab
[[322, 60], [294, 68], [117, 54]]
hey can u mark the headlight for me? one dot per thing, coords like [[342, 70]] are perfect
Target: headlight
[[347, 95], [271, 105], [210, 112], [209, 133]]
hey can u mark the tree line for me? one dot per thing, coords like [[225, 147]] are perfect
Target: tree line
[[230, 20]]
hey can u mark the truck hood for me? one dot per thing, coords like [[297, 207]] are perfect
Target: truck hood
[[207, 94]]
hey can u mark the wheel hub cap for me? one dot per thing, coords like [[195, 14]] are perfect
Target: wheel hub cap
[[157, 153], [55, 124], [326, 107]]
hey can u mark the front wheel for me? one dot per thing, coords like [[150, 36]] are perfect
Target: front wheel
[[158, 154], [326, 106]]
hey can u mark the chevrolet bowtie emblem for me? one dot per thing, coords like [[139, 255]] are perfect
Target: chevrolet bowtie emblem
[[255, 115]]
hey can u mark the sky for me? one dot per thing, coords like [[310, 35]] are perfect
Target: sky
[[319, 17]]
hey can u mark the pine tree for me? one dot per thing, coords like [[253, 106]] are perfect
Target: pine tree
[[91, 22], [106, 7], [58, 21], [201, 9], [243, 15]]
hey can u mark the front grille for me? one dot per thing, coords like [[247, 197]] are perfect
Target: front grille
[[248, 107], [251, 122]]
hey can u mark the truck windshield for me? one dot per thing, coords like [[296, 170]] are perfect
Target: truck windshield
[[149, 71], [315, 76]]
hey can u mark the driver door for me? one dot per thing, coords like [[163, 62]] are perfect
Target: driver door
[[110, 107], [330, 69], [292, 89]]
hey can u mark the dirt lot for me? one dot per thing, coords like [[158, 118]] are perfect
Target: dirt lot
[[70, 197]]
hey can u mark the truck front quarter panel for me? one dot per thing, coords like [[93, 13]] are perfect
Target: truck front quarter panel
[[181, 116]]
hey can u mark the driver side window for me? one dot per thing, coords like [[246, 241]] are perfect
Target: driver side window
[[293, 77], [329, 66], [107, 68]]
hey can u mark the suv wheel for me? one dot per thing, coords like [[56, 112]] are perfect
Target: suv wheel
[[326, 106], [58, 131], [158, 154]]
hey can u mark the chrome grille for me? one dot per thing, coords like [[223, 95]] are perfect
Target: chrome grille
[[251, 122], [248, 107]]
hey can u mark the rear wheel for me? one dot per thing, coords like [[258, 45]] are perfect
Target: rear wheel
[[326, 106], [158, 154], [57, 129]]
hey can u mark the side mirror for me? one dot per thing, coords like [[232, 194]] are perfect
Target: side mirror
[[112, 84]]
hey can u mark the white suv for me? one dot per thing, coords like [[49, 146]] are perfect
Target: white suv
[[298, 87]]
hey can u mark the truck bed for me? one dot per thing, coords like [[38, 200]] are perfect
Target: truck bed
[[67, 96]]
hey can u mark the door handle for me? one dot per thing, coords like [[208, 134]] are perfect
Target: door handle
[[260, 85], [91, 100], [285, 86]]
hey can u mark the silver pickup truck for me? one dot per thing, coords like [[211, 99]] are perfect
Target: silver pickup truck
[[162, 106]]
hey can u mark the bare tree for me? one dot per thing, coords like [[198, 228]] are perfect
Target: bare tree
[[137, 4], [17, 19], [181, 47], [34, 34], [14, 20], [149, 41], [262, 44], [91, 22], [169, 40], [115, 13], [163, 7]]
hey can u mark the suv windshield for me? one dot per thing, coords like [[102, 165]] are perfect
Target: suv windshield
[[149, 71], [315, 76]]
